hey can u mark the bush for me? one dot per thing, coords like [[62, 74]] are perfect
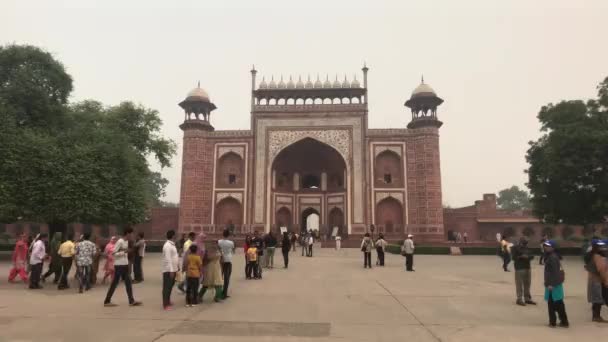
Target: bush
[[396, 249], [575, 238]]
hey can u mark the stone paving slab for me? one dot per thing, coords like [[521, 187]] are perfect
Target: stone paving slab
[[329, 297]]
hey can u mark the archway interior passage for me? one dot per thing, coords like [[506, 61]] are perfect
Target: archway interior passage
[[310, 219], [309, 166]]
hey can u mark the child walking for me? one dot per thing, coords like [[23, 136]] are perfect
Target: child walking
[[194, 266]]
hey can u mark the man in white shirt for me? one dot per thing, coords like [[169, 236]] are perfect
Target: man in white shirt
[[408, 250], [227, 249], [170, 267], [121, 269], [37, 260]]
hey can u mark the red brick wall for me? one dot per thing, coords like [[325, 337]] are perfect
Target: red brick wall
[[197, 182], [425, 209], [161, 220]]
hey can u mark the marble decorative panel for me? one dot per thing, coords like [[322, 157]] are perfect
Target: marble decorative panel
[[381, 148], [239, 150], [382, 195], [236, 195]]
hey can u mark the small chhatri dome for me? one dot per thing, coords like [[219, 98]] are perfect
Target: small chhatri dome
[[337, 83], [423, 90], [198, 94], [318, 83], [281, 83], [272, 84], [309, 83], [355, 83], [300, 84], [290, 84], [327, 83], [263, 84], [345, 84]]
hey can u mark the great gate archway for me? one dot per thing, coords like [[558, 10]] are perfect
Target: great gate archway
[[307, 175]]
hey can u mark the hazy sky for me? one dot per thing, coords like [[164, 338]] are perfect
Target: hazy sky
[[495, 63]]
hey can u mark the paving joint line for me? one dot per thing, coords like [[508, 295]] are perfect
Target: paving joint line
[[410, 312]]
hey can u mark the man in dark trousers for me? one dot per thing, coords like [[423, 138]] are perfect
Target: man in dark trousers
[[408, 250], [523, 275], [227, 249], [554, 286], [121, 269]]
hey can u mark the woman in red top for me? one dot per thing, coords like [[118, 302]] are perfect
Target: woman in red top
[[19, 260]]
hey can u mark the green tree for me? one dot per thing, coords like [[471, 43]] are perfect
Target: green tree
[[82, 162], [33, 85], [513, 198], [568, 172]]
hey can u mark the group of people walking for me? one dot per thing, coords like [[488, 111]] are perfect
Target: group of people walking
[[29, 258], [368, 244]]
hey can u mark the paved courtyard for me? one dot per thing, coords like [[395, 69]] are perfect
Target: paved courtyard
[[329, 297]]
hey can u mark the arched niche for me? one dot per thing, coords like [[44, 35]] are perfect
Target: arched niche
[[230, 171], [389, 215], [283, 217], [388, 170], [228, 211]]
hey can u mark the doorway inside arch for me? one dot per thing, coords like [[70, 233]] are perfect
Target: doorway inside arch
[[310, 220]]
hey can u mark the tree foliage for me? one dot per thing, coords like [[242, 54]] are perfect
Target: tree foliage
[[513, 198], [33, 85], [81, 162], [568, 173]]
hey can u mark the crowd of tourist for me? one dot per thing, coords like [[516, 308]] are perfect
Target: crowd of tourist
[[595, 257], [195, 265]]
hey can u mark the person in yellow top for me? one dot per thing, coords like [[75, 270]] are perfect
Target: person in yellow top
[[184, 255], [505, 250], [252, 257], [66, 253], [194, 267]]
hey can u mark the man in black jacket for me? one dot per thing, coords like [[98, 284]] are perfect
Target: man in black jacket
[[523, 275], [554, 286]]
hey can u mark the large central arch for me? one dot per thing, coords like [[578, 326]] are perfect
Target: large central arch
[[308, 168]]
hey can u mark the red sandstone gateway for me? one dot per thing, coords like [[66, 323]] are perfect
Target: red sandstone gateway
[[310, 162]]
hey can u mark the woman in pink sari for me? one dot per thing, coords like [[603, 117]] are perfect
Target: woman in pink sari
[[19, 260], [108, 268]]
